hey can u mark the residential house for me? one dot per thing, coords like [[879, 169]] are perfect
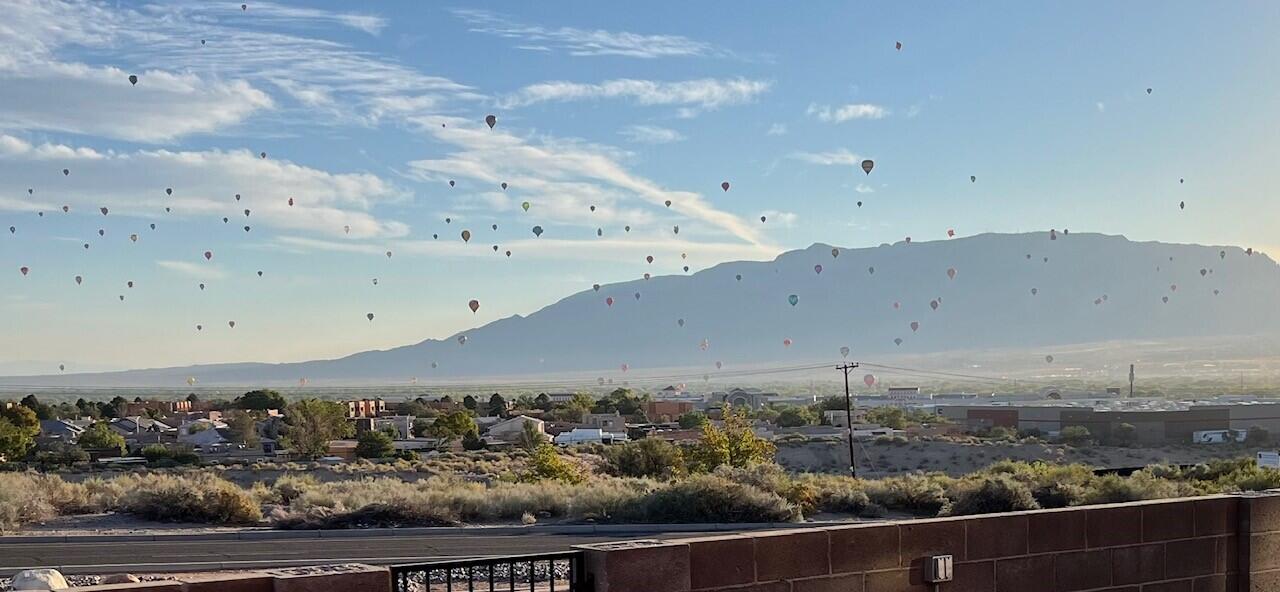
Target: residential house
[[365, 407], [589, 436], [511, 429], [59, 430], [139, 407], [666, 411], [609, 422]]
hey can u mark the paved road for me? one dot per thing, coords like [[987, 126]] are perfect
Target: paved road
[[195, 555]]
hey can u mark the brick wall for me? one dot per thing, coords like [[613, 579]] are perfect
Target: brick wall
[[1225, 543]]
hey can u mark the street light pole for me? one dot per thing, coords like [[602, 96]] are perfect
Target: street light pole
[[848, 414]]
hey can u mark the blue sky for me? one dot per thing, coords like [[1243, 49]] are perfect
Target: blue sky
[[366, 116]]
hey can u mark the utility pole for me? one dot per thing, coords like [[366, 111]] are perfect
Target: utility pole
[[848, 415], [1130, 381]]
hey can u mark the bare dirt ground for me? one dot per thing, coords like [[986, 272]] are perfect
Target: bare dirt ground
[[878, 459]]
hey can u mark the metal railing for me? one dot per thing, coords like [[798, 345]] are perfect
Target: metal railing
[[544, 572]]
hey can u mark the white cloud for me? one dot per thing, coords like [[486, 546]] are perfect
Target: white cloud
[[564, 177], [843, 113], [840, 157], [777, 129], [200, 271], [204, 184], [1102, 107], [584, 42], [100, 101], [200, 68], [706, 93], [649, 134], [864, 188], [544, 248]]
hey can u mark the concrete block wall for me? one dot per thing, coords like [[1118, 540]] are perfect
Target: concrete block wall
[[1207, 544], [349, 578]]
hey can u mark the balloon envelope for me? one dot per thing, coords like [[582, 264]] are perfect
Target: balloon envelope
[[867, 165]]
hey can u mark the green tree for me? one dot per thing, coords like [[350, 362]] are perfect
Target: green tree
[[530, 438], [472, 441], [100, 437], [14, 440], [1125, 434], [692, 419], [24, 419], [41, 410], [242, 428], [419, 427], [889, 417], [452, 426], [543, 402], [60, 454], [649, 457], [734, 444], [497, 406], [374, 444], [792, 416], [260, 400], [310, 425], [1075, 435], [469, 402], [546, 464], [192, 398], [622, 400]]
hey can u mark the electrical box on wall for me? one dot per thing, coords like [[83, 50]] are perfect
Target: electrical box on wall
[[937, 569]]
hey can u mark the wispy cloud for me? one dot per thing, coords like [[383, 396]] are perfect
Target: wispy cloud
[[1100, 106], [843, 113], [864, 188], [706, 93], [202, 271], [204, 183], [777, 129], [649, 134], [786, 219], [568, 176], [840, 157], [584, 42]]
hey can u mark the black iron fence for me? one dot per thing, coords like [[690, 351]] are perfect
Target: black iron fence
[[544, 572]]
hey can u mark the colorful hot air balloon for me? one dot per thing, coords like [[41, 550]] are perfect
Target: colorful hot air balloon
[[817, 269], [491, 120], [897, 45], [133, 79], [934, 304], [537, 231], [1034, 291], [290, 202], [526, 205], [133, 238], [451, 183], [504, 185], [24, 270], [79, 280], [844, 351], [649, 259], [951, 273], [897, 341], [680, 322], [793, 299], [625, 367], [474, 305], [725, 186], [466, 236], [608, 301], [915, 326], [719, 364], [867, 165], [104, 210], [951, 232], [835, 253], [208, 255], [869, 380]]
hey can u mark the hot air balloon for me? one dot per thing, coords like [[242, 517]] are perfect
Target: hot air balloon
[[1148, 91], [191, 380], [1173, 287], [867, 165], [79, 280], [369, 316], [973, 179], [934, 304], [201, 287], [1034, 291], [208, 255], [24, 270], [474, 305], [668, 203], [537, 231], [625, 367], [13, 229], [1048, 359], [897, 45], [793, 299], [346, 228], [869, 380], [375, 281], [871, 270], [719, 364], [844, 351], [526, 206], [1182, 205], [231, 324], [246, 228], [493, 226], [66, 209], [649, 259], [915, 326], [129, 283], [704, 345], [259, 273], [237, 197], [859, 203], [491, 120], [103, 210], [504, 185], [817, 269], [1164, 299], [388, 254], [675, 229], [627, 228], [609, 301], [786, 342], [951, 273], [263, 155], [646, 276], [637, 295], [897, 341], [451, 183], [133, 237], [762, 219], [680, 322], [462, 340], [1222, 254], [291, 202], [1203, 271], [66, 172], [725, 186], [102, 232], [951, 232], [599, 232], [62, 367], [595, 287], [133, 79], [466, 236], [835, 253], [199, 327], [738, 277]]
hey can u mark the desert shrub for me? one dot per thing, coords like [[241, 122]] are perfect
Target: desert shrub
[[546, 463], [710, 498], [1141, 485], [922, 494], [1075, 436], [194, 497], [987, 495], [22, 502], [645, 458]]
